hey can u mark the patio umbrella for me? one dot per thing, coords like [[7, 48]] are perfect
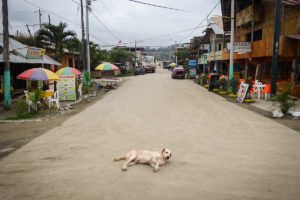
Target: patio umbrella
[[38, 74], [172, 64], [68, 71], [107, 67]]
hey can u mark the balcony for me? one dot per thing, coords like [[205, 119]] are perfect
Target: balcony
[[245, 16], [264, 48]]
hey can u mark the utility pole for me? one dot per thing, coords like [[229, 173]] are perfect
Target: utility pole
[[88, 3], [28, 30], [135, 53], [275, 47], [231, 41], [40, 18], [49, 19], [7, 94], [82, 37]]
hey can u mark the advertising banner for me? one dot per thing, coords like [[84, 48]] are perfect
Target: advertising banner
[[240, 47], [242, 92], [203, 59], [66, 87], [35, 53]]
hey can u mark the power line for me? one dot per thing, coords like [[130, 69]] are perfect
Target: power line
[[201, 21], [154, 5], [105, 26]]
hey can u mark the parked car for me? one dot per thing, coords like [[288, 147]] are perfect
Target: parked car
[[139, 70], [178, 72]]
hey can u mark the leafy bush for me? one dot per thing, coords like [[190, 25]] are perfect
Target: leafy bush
[[22, 107], [35, 98], [223, 84], [234, 85], [283, 99], [197, 80], [204, 79], [215, 84]]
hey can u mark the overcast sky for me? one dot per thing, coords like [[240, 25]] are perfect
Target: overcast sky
[[128, 21]]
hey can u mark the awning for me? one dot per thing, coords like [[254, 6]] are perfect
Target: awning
[[296, 37]]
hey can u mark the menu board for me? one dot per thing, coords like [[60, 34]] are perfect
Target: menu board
[[66, 87], [242, 92]]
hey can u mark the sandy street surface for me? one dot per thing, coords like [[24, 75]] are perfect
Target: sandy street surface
[[220, 150]]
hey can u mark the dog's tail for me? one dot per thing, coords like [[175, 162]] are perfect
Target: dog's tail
[[121, 158]]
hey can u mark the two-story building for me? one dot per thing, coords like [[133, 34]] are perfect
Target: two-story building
[[254, 30], [215, 34]]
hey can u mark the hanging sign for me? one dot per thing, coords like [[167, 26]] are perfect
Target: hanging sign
[[242, 92], [240, 47], [66, 87], [35, 53], [203, 59]]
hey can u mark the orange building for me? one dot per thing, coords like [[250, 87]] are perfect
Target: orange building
[[254, 25]]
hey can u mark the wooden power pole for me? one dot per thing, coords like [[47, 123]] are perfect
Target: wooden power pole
[[82, 38], [7, 94]]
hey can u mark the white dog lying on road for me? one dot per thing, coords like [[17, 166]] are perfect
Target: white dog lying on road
[[153, 158]]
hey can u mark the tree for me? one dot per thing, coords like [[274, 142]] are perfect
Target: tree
[[120, 56], [56, 36], [182, 56]]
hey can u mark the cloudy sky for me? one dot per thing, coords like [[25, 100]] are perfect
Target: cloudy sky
[[118, 20]]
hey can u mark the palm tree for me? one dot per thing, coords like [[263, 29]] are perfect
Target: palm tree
[[55, 36]]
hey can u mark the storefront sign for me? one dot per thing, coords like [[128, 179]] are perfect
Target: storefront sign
[[203, 59], [242, 92], [240, 47], [66, 87], [35, 53]]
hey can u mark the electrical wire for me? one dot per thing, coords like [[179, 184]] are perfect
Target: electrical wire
[[116, 37], [154, 5], [201, 21]]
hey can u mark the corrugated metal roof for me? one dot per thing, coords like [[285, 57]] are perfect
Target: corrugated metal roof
[[214, 24], [18, 52]]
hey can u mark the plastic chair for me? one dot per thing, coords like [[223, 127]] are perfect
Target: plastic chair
[[28, 101], [55, 99], [267, 91], [80, 89]]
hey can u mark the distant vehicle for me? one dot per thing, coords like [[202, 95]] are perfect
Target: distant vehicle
[[149, 64], [139, 70], [178, 72]]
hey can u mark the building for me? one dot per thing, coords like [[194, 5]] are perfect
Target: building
[[254, 31], [19, 63], [217, 39]]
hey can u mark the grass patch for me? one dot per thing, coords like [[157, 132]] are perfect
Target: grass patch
[[25, 116]]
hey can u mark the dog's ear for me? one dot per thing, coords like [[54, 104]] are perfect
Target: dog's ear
[[162, 151]]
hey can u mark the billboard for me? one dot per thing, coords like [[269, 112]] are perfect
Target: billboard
[[66, 87], [35, 53]]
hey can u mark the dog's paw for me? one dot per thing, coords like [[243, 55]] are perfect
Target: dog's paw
[[156, 169], [124, 168]]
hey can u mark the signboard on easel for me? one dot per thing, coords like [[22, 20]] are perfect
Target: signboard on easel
[[66, 87], [242, 92]]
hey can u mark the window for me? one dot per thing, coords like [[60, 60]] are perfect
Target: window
[[257, 36], [71, 62], [220, 47]]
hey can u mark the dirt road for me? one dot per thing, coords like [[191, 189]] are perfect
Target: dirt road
[[220, 150]]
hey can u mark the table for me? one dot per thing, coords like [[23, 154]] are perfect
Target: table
[[111, 81], [258, 89], [48, 93]]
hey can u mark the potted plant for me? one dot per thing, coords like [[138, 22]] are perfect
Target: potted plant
[[234, 86], [216, 85], [223, 86], [283, 99]]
